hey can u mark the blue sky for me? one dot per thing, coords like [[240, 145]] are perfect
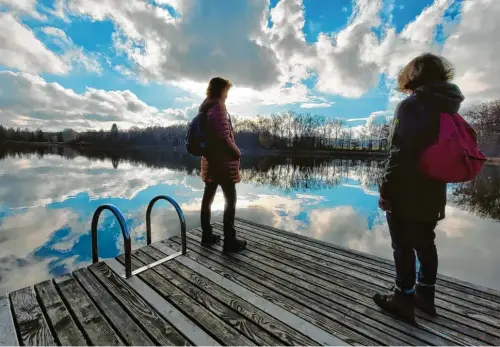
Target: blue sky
[[88, 63]]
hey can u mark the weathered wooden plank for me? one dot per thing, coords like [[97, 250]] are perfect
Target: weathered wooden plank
[[444, 292], [330, 304], [8, 336], [178, 320], [95, 327], [232, 318], [332, 269], [159, 330], [276, 333], [206, 319], [313, 248], [362, 293], [33, 328], [275, 304], [487, 293], [313, 290], [285, 333], [222, 322], [349, 287], [125, 326], [58, 316], [320, 279], [458, 306], [326, 258]]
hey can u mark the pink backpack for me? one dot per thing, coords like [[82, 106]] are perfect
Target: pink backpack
[[455, 157]]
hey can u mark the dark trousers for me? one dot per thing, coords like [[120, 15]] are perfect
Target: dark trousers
[[229, 190], [409, 237]]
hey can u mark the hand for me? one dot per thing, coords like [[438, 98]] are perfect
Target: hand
[[384, 205]]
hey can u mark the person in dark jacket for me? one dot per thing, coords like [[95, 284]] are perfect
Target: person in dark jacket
[[413, 202], [220, 166]]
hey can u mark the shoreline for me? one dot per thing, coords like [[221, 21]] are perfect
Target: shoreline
[[253, 152]]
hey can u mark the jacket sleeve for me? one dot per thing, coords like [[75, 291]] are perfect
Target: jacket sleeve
[[223, 129], [405, 147]]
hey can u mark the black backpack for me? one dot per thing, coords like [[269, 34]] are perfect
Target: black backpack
[[196, 138]]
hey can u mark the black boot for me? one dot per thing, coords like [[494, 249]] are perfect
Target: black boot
[[424, 300], [209, 239], [399, 304], [234, 245]]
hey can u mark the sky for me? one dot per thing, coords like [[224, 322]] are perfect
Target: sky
[[86, 64]]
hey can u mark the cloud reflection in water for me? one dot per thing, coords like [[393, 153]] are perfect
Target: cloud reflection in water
[[47, 202]]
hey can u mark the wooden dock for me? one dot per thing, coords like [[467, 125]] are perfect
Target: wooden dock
[[285, 289]]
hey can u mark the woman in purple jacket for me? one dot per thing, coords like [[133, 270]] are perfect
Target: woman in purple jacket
[[413, 202], [220, 166]]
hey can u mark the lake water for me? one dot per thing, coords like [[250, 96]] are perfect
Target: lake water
[[47, 200]]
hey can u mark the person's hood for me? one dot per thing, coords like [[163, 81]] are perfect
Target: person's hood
[[445, 95]]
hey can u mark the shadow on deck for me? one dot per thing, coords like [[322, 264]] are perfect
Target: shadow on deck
[[285, 289]]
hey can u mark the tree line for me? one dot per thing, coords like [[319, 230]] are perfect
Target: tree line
[[485, 118], [284, 131], [281, 131]]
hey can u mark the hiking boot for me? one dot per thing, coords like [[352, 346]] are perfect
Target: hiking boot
[[399, 304], [234, 246], [209, 240], [424, 299]]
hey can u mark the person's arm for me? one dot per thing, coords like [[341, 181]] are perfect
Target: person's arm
[[404, 147], [223, 129]]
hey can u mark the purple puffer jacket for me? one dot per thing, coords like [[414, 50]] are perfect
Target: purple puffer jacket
[[223, 165]]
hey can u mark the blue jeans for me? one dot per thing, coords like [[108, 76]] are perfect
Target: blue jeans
[[407, 238]]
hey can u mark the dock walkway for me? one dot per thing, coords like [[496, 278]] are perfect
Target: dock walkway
[[285, 289]]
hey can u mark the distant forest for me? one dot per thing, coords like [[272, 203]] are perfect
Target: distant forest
[[284, 131]]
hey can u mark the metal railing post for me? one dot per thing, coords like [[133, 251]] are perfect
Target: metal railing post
[[179, 214], [125, 233]]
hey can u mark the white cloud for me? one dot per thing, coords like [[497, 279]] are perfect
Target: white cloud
[[246, 101], [473, 49], [357, 119], [184, 99], [195, 47], [56, 32], [342, 65], [395, 51], [22, 7], [253, 56], [29, 100], [266, 55], [73, 55], [316, 105], [20, 49]]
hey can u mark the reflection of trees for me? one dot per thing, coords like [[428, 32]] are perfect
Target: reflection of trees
[[289, 173], [312, 173], [485, 118], [481, 196]]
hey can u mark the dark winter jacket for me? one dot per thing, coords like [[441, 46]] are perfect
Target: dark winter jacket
[[222, 162], [411, 195]]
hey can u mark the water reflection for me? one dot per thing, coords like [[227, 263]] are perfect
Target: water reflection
[[48, 196]]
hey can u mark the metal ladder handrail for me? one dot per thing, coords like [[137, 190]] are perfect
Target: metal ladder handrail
[[126, 235], [125, 232], [148, 233], [180, 214]]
